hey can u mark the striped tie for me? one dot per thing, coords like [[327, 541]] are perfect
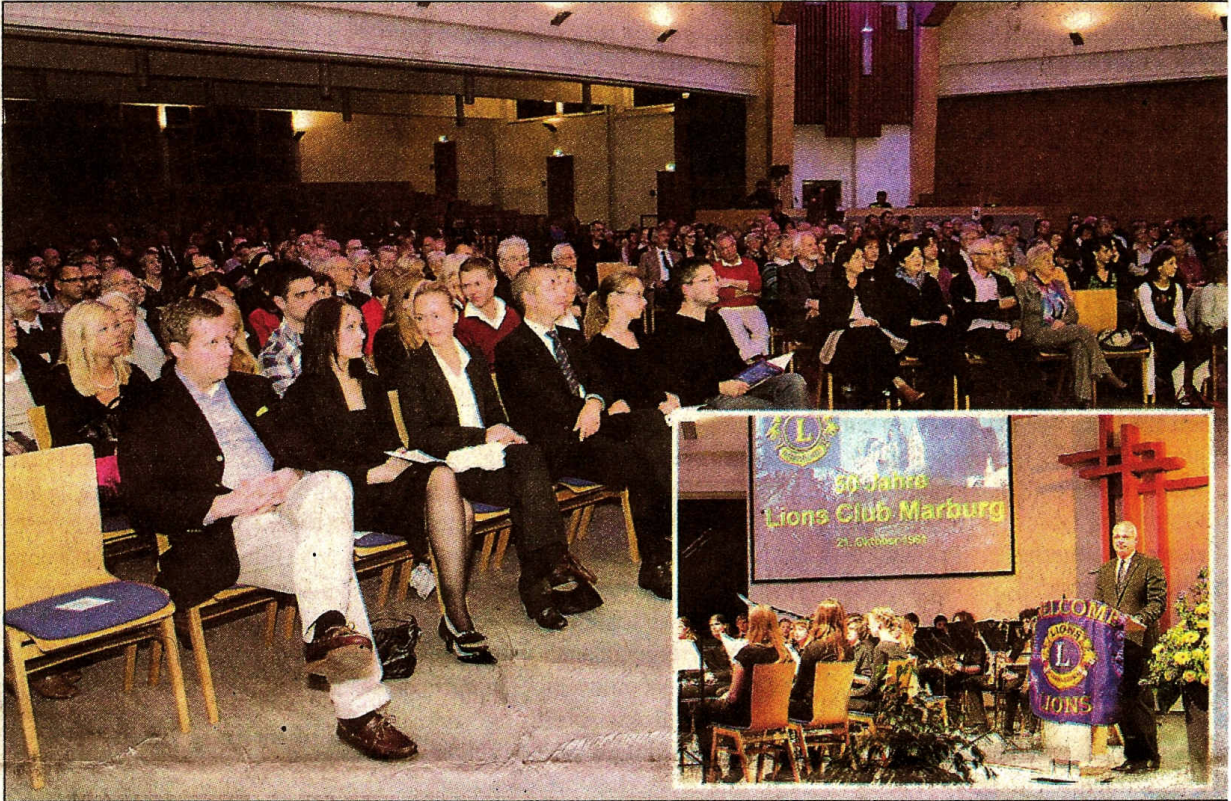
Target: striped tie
[[566, 366]]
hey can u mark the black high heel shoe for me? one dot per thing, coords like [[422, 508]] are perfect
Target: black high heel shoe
[[468, 646]]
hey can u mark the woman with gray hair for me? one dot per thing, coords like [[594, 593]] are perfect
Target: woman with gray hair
[[1049, 322]]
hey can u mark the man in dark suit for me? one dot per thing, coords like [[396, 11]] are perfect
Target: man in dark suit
[[594, 250], [37, 334], [1136, 585], [556, 396], [656, 266], [201, 462], [449, 402]]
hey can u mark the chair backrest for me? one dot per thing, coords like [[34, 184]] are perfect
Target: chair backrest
[[771, 694], [37, 415], [398, 421], [831, 692], [606, 268], [52, 527], [1096, 308]]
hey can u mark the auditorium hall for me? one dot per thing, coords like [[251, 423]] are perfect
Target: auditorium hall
[[383, 383]]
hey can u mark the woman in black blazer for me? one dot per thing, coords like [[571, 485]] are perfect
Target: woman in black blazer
[[348, 413], [443, 416]]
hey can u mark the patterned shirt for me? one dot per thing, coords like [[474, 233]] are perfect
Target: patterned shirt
[[281, 358]]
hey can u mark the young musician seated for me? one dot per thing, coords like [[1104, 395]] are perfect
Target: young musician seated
[[200, 461], [887, 627], [700, 360], [449, 402], [347, 410], [826, 642]]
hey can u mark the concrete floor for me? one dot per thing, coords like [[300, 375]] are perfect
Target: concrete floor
[[581, 712]]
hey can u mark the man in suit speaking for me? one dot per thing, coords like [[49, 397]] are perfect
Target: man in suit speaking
[[1135, 584]]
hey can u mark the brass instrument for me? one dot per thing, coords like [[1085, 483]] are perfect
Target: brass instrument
[[946, 664]]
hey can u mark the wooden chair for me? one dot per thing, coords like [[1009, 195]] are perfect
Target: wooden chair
[[60, 601], [769, 728], [578, 497], [831, 699], [230, 601], [37, 415]]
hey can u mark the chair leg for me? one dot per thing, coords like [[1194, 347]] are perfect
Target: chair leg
[[155, 663], [485, 550], [386, 583], [502, 545], [574, 523], [271, 621], [196, 634], [130, 667], [167, 628], [21, 684], [633, 552], [790, 755], [403, 579], [288, 622], [713, 756], [743, 758], [587, 514]]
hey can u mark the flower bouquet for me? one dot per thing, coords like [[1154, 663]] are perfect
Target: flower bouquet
[[1180, 662]]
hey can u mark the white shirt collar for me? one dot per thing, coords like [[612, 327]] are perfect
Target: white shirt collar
[[472, 310], [195, 391], [462, 353]]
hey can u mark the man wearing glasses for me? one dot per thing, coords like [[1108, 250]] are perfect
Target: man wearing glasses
[[700, 359], [70, 288]]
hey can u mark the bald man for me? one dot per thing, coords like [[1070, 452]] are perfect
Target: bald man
[[1136, 585]]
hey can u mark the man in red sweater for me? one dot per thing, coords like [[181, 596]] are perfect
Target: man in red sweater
[[739, 285], [487, 319]]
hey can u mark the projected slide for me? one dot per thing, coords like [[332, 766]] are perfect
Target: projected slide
[[861, 496]]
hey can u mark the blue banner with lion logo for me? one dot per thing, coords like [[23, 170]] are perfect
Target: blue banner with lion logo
[[1077, 662]]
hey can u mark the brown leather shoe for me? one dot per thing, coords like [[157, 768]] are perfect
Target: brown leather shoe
[[375, 736], [339, 654]]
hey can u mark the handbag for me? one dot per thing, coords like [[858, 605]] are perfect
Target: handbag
[[395, 639]]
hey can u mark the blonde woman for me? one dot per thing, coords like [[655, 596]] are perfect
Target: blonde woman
[[399, 335], [765, 646], [90, 383]]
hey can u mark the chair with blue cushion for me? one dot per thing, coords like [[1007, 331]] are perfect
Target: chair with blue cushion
[[60, 601]]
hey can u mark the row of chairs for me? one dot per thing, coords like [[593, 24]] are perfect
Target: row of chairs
[[771, 732], [62, 604]]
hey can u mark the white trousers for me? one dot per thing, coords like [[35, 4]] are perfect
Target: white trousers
[[749, 329], [306, 546]]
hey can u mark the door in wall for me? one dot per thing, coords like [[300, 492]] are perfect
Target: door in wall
[[559, 187], [446, 169]]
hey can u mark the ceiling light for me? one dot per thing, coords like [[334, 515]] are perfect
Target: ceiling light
[[660, 15], [665, 35], [559, 19], [1077, 38]]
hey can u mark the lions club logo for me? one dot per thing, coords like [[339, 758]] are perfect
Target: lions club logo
[[802, 439], [1068, 655]]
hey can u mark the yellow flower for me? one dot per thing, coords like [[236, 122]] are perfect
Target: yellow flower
[[1191, 637], [1181, 657], [1202, 609], [1158, 649], [1203, 624], [1190, 675], [1198, 654], [1205, 680]]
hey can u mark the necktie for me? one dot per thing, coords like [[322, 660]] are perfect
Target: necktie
[[666, 263], [1121, 573], [566, 366]]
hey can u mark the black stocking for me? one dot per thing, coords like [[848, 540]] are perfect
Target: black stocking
[[448, 531]]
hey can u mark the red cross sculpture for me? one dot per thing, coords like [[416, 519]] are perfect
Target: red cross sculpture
[[1141, 468]]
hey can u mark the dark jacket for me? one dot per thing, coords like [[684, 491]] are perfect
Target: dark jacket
[[903, 302], [795, 287], [428, 407], [1144, 594], [349, 442], [42, 342], [171, 470], [966, 309], [838, 299], [532, 385]]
